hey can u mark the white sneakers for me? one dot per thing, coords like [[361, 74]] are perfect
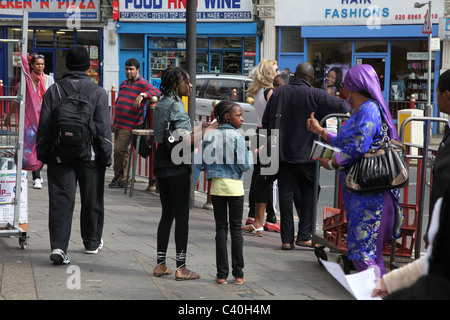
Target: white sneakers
[[59, 257], [95, 250], [37, 184]]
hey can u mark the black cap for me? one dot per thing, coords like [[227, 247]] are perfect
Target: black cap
[[77, 59]]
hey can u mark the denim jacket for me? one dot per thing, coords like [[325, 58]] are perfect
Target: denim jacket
[[224, 154], [173, 105], [178, 116]]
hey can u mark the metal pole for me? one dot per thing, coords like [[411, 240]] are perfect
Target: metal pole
[[429, 111], [24, 50], [191, 58]]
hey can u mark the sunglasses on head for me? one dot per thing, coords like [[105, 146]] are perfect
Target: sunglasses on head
[[37, 56]]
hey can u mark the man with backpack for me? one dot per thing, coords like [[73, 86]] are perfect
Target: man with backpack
[[74, 140]]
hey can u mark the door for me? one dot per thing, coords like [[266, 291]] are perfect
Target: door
[[380, 64]]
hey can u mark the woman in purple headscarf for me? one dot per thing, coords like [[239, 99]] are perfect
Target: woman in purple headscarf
[[373, 218]]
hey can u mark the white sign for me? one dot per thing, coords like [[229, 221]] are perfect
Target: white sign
[[419, 55], [372, 13], [435, 44], [175, 10], [84, 10]]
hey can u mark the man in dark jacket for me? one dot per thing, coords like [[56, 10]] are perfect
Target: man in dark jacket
[[300, 99], [64, 173]]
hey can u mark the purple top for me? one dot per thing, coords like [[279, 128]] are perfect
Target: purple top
[[364, 78]]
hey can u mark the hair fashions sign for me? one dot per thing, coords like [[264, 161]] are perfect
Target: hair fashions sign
[[51, 10], [175, 10], [372, 13]]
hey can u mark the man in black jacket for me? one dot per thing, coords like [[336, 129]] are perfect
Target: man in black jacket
[[300, 99], [64, 173]]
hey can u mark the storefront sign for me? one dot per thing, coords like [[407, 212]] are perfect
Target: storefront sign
[[175, 10], [372, 13], [419, 55], [84, 10]]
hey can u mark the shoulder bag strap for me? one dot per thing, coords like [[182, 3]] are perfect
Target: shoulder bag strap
[[384, 126], [280, 105]]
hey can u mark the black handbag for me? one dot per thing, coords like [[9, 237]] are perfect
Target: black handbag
[[381, 168], [145, 142]]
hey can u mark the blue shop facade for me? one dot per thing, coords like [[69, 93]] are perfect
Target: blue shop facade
[[227, 40], [385, 34]]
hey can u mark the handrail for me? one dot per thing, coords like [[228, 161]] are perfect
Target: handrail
[[427, 126]]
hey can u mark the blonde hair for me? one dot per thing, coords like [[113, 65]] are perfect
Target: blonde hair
[[263, 76]]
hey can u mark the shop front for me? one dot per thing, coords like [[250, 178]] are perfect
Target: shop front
[[385, 34], [227, 39], [53, 28]]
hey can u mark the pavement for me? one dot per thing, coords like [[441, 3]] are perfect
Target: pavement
[[123, 269]]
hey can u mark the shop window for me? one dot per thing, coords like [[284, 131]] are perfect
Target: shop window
[[202, 43], [291, 40], [132, 41], [202, 62], [409, 71], [249, 54], [167, 43], [88, 37], [44, 38], [226, 43], [13, 51], [327, 55], [60, 63], [91, 40], [161, 60], [232, 62], [64, 38], [371, 46]]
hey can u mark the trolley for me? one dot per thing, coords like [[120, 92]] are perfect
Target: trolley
[[8, 229]]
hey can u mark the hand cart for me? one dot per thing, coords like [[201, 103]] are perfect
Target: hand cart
[[8, 229]]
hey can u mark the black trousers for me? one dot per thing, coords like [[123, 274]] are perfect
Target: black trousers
[[174, 195], [302, 174], [37, 173], [261, 195], [62, 184], [229, 210]]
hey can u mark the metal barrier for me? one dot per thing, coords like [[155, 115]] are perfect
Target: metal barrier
[[423, 162]]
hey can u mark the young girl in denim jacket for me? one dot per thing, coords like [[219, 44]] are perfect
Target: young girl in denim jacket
[[225, 158]]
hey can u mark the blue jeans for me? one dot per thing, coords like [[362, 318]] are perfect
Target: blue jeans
[[233, 208]]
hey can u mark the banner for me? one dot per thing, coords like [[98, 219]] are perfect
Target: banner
[[175, 10], [85, 10]]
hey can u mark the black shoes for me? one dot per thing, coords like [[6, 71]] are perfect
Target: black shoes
[[116, 184]]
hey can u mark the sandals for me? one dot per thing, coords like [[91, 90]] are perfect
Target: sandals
[[158, 272], [191, 276], [307, 244], [251, 229]]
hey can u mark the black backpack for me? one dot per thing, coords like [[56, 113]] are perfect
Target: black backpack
[[73, 130]]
